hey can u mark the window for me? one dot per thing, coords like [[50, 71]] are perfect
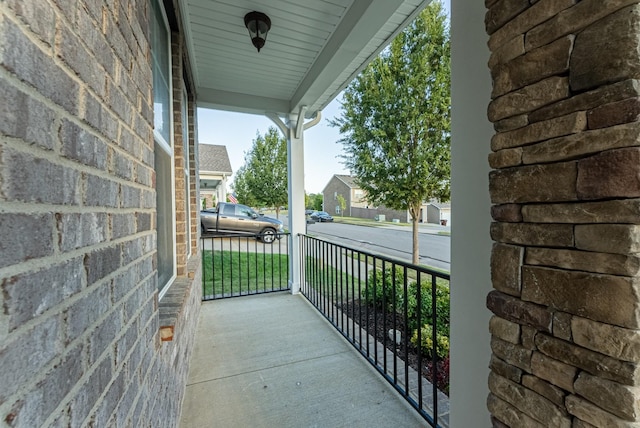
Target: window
[[244, 211], [228, 209], [163, 149]]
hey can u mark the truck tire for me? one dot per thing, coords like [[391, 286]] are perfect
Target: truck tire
[[268, 235]]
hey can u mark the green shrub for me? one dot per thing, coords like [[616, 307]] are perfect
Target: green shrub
[[443, 306], [380, 290], [426, 341]]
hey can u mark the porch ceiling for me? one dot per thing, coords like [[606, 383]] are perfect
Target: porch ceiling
[[314, 48]]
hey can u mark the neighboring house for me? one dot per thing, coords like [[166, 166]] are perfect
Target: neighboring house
[[215, 168], [342, 185], [439, 213], [356, 202]]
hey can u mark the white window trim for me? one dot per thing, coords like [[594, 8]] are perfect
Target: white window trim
[[165, 145]]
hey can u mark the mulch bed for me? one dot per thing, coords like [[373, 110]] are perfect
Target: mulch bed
[[377, 324]]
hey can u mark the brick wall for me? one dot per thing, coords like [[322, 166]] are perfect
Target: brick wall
[[565, 187], [355, 208], [335, 186], [209, 197], [79, 340], [194, 183], [177, 54]]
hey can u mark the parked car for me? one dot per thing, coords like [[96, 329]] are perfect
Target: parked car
[[321, 216], [238, 218]]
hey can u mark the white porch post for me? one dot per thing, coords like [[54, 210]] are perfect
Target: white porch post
[[470, 241], [297, 222], [293, 130]]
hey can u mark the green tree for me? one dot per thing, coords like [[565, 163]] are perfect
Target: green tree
[[264, 173], [395, 120], [314, 201], [342, 203], [241, 188]]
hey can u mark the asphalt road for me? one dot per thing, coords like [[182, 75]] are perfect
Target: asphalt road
[[393, 241]]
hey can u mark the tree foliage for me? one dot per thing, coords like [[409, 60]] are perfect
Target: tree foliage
[[241, 188], [395, 119], [262, 179], [313, 201]]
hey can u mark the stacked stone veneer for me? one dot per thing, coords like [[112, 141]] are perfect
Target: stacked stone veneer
[[565, 186], [79, 310]]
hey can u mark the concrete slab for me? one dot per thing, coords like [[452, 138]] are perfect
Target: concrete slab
[[273, 361]]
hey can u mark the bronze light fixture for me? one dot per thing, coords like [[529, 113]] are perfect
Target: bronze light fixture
[[258, 25]]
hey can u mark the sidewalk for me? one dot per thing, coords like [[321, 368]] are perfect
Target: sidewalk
[[430, 228]]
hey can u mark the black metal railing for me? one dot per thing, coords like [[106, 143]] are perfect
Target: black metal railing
[[240, 265], [396, 314]]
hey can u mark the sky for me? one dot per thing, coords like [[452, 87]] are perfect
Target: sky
[[237, 131]]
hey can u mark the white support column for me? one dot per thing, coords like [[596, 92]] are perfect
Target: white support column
[[293, 130], [297, 221], [470, 242]]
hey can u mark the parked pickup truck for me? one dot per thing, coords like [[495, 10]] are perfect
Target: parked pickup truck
[[238, 218]]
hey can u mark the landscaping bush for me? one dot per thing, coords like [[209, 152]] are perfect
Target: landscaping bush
[[443, 306], [380, 289], [426, 341]]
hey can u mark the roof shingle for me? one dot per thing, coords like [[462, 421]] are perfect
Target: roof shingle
[[348, 180], [214, 158]]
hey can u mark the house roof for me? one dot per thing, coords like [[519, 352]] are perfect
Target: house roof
[[348, 180], [440, 205], [214, 158]]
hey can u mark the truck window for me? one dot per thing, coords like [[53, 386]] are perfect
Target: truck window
[[244, 211], [229, 209]]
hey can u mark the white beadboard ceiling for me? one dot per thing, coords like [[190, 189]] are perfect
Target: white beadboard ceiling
[[314, 48]]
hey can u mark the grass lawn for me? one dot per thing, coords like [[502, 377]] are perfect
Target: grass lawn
[[358, 221], [235, 273], [330, 281]]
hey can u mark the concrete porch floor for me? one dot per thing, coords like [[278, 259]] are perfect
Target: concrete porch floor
[[273, 361]]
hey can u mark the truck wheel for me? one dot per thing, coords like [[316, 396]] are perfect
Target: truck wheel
[[268, 235]]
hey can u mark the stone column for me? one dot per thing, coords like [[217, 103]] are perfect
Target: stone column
[[565, 189]]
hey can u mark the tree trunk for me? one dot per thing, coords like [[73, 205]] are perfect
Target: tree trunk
[[414, 211]]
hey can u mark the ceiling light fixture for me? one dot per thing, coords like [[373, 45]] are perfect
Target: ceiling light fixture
[[258, 25]]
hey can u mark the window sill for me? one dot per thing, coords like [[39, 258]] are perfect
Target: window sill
[[173, 304]]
